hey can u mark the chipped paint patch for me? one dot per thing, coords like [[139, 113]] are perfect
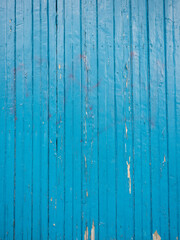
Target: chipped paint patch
[[156, 236], [129, 174], [93, 232], [85, 161], [126, 129], [86, 234]]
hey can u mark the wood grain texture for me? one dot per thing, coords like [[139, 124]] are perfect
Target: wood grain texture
[[90, 119]]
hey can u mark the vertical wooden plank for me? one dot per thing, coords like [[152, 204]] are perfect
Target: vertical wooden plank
[[36, 119], [86, 133], [119, 11], [52, 120], [89, 141], [176, 21], [159, 157], [60, 119], [135, 58], [125, 217], [145, 119], [19, 192], [107, 203], [102, 124], [69, 145], [27, 35], [111, 123], [171, 113], [9, 145], [44, 123], [141, 121], [2, 115], [76, 118]]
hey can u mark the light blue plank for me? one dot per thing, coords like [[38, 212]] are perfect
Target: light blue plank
[[19, 188], [119, 12], [2, 117], [159, 158], [89, 141], [27, 205], [125, 218], [176, 18], [135, 59], [36, 88], [86, 123], [9, 170], [145, 119], [52, 121], [102, 124], [44, 122], [171, 114], [69, 134], [60, 120], [76, 118]]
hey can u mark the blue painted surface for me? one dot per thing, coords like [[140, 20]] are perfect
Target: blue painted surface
[[90, 119]]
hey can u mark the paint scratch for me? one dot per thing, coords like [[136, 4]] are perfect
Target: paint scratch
[[86, 234], [156, 236], [93, 232], [129, 174]]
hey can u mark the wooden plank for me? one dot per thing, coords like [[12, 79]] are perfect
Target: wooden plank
[[69, 109], [125, 208], [19, 188], [44, 210], [52, 118], [60, 218], [2, 117], [171, 115], [89, 120], [176, 19], [28, 153], [159, 153], [76, 118], [106, 116], [36, 101], [9, 138]]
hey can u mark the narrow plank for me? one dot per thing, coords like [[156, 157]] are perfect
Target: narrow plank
[[2, 116], [176, 18], [36, 120], [76, 118], [60, 218], [119, 11], [19, 193], [145, 119], [9, 170], [111, 123], [102, 123], [125, 215], [107, 202], [52, 121], [44, 123], [69, 134], [159, 158], [86, 122], [135, 59], [27, 35], [171, 114], [89, 118]]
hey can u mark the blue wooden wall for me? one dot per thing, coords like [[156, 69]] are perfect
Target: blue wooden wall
[[90, 119]]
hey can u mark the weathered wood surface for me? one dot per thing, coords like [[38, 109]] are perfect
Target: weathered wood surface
[[90, 119]]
